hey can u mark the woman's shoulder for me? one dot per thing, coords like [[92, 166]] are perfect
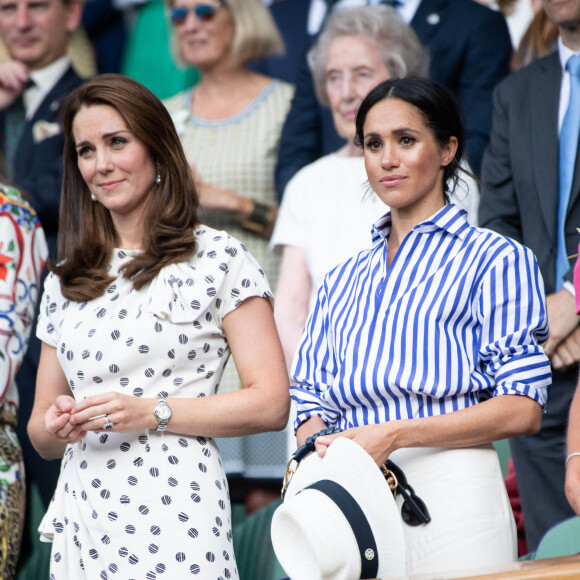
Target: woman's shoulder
[[285, 89], [177, 101], [275, 96], [220, 267], [329, 169], [499, 241]]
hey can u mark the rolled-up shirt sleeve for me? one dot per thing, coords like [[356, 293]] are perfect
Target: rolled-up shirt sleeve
[[514, 323]]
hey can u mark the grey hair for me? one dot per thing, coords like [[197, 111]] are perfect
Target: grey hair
[[400, 49]]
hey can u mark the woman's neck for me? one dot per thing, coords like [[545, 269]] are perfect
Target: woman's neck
[[349, 149], [404, 220], [129, 233], [223, 93]]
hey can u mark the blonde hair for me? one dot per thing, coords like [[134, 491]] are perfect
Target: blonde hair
[[256, 35]]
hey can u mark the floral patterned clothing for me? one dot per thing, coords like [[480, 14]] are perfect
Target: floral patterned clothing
[[147, 504], [23, 253]]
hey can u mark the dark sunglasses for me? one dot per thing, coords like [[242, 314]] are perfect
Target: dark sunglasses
[[413, 511], [203, 12]]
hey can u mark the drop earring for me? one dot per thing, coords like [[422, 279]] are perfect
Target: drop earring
[[93, 198], [158, 179]]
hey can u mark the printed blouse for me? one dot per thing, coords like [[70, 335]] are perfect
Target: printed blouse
[[23, 253]]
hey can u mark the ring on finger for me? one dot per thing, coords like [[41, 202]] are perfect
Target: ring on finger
[[108, 425]]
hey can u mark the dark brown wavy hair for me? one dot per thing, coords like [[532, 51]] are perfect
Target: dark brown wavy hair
[[87, 237]]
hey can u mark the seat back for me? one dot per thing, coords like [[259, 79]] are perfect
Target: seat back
[[563, 539], [253, 547]]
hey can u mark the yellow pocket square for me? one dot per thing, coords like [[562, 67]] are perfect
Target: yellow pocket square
[[42, 130]]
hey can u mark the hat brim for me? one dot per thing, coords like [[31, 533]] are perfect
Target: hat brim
[[346, 463]]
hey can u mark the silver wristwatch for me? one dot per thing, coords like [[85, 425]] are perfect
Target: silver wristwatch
[[162, 413]]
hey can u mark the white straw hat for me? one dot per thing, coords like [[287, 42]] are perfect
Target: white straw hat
[[339, 520]]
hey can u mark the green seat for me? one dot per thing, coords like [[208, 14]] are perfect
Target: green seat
[[37, 564], [563, 539], [504, 454], [253, 547]]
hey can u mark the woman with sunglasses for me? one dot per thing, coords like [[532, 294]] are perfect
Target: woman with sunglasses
[[138, 319], [230, 125], [425, 348]]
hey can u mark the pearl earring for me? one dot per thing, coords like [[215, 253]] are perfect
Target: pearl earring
[[93, 197], [158, 179]]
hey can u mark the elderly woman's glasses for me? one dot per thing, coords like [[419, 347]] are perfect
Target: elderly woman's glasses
[[203, 12]]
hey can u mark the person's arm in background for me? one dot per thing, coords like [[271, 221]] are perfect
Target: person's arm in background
[[573, 461], [292, 298]]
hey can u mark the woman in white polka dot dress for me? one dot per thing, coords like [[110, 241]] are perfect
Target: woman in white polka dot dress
[[138, 319]]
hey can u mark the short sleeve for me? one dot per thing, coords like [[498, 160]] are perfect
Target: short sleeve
[[50, 306], [215, 281], [245, 279], [295, 212]]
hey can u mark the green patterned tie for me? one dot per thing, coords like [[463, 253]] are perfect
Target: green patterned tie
[[15, 119]]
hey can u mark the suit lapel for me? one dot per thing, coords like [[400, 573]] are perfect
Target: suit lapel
[[545, 95], [50, 106], [47, 111], [575, 191]]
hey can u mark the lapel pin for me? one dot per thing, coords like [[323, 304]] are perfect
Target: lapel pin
[[433, 18]]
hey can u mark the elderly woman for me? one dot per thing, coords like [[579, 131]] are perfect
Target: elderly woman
[[230, 125], [138, 320], [23, 252], [325, 216], [426, 348]]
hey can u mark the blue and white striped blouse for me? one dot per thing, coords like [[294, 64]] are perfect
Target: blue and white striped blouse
[[459, 311]]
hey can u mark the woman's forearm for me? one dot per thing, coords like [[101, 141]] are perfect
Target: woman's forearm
[[573, 463], [292, 298], [497, 418], [47, 445], [308, 428]]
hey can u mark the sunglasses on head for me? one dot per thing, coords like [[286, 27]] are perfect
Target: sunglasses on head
[[203, 12]]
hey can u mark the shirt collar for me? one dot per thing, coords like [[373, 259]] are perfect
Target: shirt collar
[[44, 81], [565, 53], [450, 218]]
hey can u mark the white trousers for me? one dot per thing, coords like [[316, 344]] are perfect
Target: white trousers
[[472, 522]]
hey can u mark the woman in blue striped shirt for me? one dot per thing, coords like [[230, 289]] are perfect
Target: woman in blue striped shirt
[[425, 348]]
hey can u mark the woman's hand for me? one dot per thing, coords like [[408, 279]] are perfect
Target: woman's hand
[[126, 413], [57, 420], [377, 440], [216, 198]]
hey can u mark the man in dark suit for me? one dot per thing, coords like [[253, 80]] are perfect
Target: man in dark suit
[[33, 83], [520, 198], [470, 49]]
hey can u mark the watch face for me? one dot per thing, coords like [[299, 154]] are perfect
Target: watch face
[[163, 412]]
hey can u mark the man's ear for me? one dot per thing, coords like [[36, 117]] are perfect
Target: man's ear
[[74, 14]]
